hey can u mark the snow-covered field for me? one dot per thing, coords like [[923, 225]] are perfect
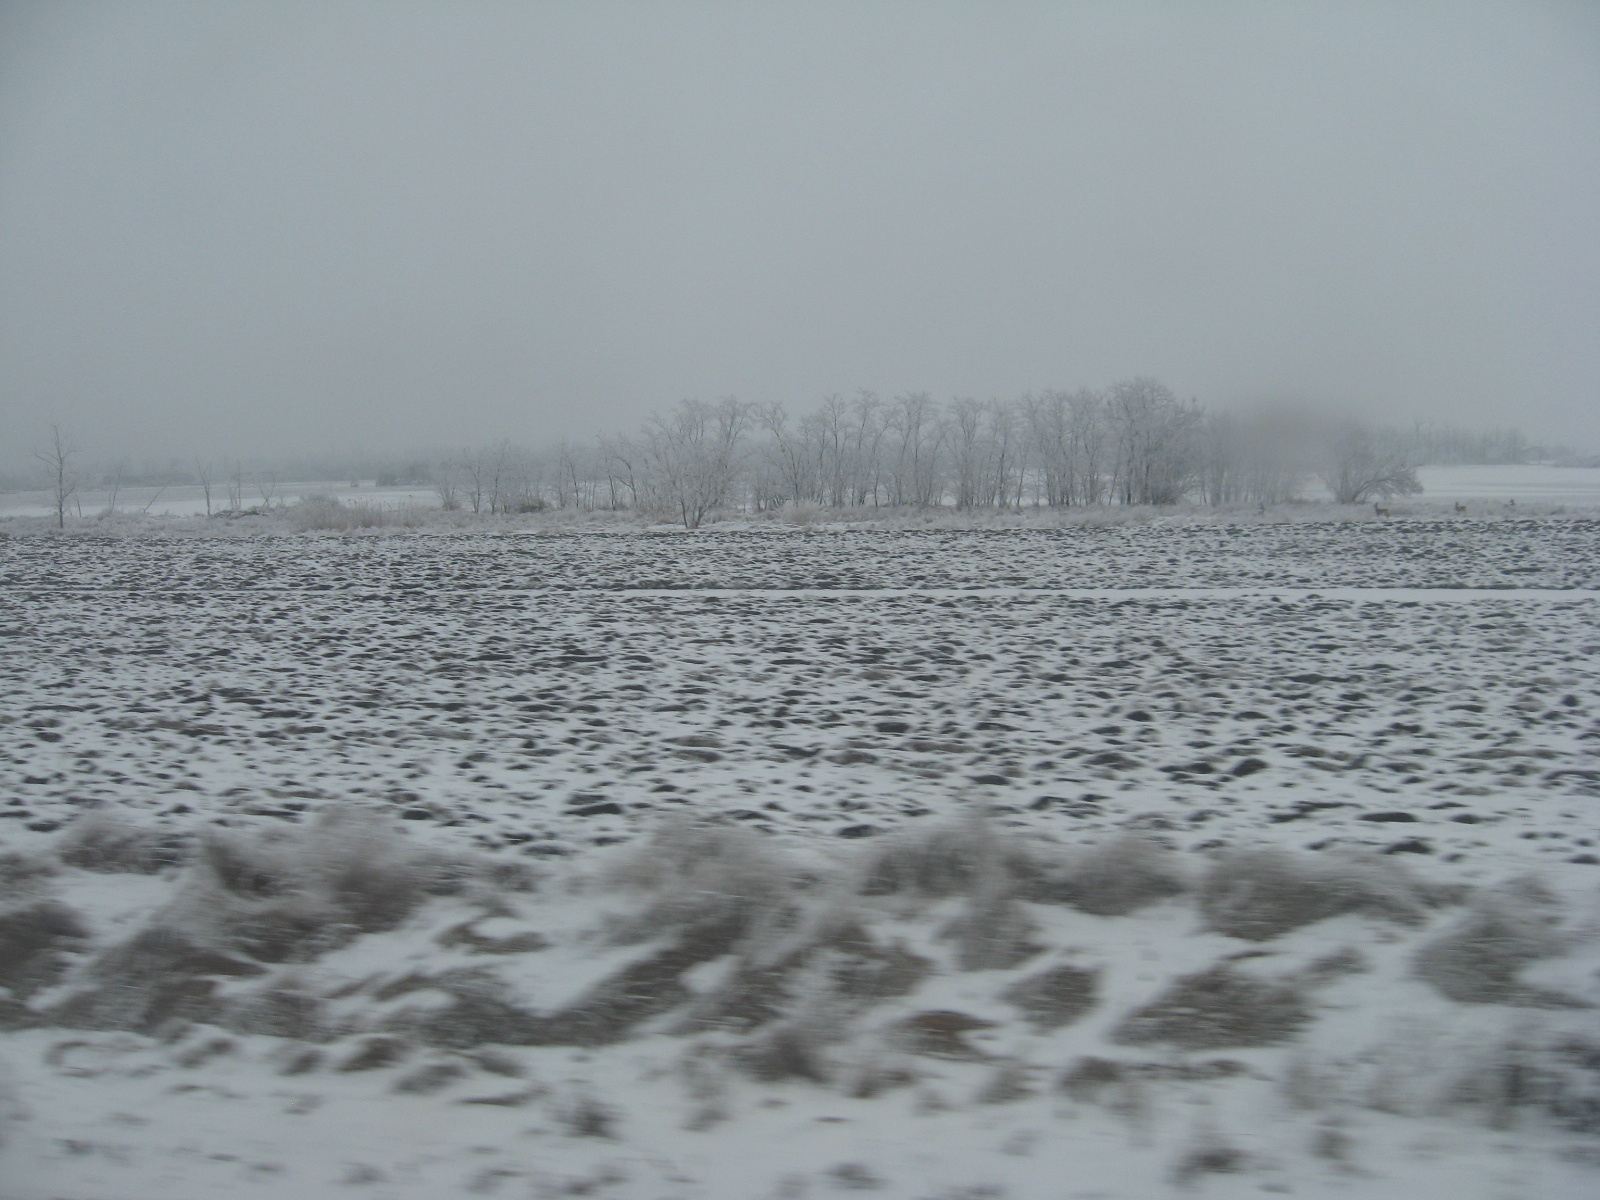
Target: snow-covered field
[[793, 863], [1527, 483], [188, 500]]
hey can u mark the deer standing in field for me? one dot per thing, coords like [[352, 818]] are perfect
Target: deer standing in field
[[1382, 512], [1460, 507]]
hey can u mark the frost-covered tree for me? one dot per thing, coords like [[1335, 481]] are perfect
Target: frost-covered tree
[[1262, 457], [202, 472], [915, 438], [695, 452], [1156, 440], [1358, 469], [60, 474]]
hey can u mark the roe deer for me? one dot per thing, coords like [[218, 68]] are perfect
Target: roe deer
[[1382, 512], [1460, 507]]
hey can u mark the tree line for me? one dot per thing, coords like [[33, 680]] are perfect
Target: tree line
[[1132, 443]]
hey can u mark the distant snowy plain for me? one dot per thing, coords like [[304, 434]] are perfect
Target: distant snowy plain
[[1421, 692], [1526, 483]]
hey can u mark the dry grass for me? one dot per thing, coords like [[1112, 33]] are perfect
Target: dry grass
[[968, 858], [995, 933], [941, 1033], [1262, 894], [1089, 1077], [583, 1115], [1218, 1007], [1006, 1083], [1108, 880], [102, 840], [934, 862], [291, 895], [253, 899], [24, 875], [1208, 1154], [1479, 959], [1054, 997], [282, 1010], [157, 977], [795, 962], [1498, 1074], [712, 886], [828, 959], [325, 512], [36, 941], [794, 1049]]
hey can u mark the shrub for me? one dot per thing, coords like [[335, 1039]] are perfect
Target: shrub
[[1260, 894], [23, 875], [102, 840], [288, 896], [791, 1050], [35, 940], [157, 976], [1054, 997], [1109, 880], [1217, 1007], [1007, 1082], [712, 886], [1479, 959], [934, 862], [1209, 1155], [1088, 1077], [995, 933], [582, 1115]]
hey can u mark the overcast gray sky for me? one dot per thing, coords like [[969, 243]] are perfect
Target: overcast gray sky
[[274, 227]]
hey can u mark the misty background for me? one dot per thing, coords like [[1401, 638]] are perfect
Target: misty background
[[355, 229]]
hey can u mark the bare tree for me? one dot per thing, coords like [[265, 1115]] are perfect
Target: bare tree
[[269, 487], [965, 427], [1157, 448], [1264, 457], [696, 453], [786, 455], [1358, 470], [63, 480], [867, 451], [918, 440], [446, 482], [1067, 432], [474, 467], [236, 486], [202, 471], [624, 464], [116, 487], [1008, 461]]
